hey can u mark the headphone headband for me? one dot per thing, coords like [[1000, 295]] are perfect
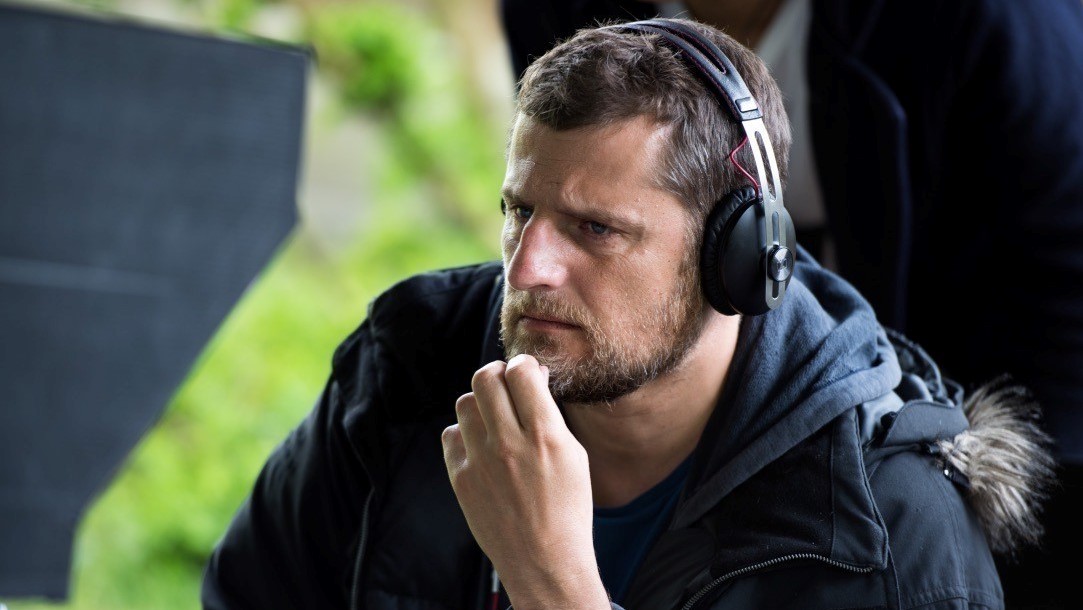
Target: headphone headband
[[711, 61]]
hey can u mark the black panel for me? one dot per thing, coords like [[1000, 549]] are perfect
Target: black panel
[[146, 177]]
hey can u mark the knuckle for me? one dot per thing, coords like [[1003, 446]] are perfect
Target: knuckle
[[520, 366], [465, 405], [543, 437], [488, 375], [553, 444], [504, 451], [450, 435], [581, 454], [461, 481], [455, 475]]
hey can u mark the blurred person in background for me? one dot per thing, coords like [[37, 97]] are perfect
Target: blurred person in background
[[937, 164], [661, 434]]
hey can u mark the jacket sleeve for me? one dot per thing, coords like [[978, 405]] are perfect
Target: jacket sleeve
[[293, 541]]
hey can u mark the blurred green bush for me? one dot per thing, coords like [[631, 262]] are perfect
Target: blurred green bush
[[433, 204]]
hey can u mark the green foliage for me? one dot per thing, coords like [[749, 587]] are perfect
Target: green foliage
[[145, 542], [234, 15], [371, 49], [391, 62]]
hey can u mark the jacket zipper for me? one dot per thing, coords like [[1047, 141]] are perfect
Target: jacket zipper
[[360, 550], [752, 568]]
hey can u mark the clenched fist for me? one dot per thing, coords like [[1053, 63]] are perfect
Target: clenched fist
[[523, 482]]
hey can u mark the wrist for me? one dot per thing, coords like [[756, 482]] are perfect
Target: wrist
[[582, 591]]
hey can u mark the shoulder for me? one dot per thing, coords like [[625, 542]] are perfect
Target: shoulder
[[937, 545], [438, 295], [853, 20], [423, 337], [955, 478], [982, 43], [954, 36]]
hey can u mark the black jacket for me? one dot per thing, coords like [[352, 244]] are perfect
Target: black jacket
[[814, 485], [949, 148]]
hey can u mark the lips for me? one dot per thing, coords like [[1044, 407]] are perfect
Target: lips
[[537, 317]]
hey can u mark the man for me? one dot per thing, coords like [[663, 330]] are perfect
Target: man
[[637, 447], [965, 116]]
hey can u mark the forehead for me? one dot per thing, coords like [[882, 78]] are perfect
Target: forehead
[[615, 166]]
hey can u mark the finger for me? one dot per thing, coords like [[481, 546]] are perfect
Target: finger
[[528, 385], [454, 450], [494, 400], [471, 425]]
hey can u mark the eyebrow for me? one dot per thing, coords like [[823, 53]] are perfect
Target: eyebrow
[[594, 213]]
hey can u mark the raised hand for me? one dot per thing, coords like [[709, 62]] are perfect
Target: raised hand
[[523, 482]]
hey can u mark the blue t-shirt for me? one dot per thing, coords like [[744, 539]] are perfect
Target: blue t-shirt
[[623, 535]]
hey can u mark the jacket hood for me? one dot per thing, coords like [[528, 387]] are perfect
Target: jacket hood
[[823, 358], [795, 369]]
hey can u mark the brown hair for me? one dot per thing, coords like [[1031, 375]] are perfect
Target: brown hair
[[600, 77]]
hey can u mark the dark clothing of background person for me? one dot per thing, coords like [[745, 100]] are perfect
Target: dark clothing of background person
[[948, 137]]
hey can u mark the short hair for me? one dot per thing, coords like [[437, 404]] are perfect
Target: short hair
[[599, 77]]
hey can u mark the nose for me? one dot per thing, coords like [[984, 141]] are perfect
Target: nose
[[533, 257]]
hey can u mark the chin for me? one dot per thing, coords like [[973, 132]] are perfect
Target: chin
[[555, 357]]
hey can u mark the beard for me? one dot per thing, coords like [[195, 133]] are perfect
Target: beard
[[637, 347]]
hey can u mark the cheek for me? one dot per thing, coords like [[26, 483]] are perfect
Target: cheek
[[643, 286], [509, 240], [613, 295]]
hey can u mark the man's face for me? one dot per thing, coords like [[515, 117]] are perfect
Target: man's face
[[600, 283]]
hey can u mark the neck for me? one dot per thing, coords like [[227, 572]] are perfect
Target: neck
[[636, 441]]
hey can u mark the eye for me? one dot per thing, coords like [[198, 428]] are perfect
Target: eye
[[522, 212], [598, 228]]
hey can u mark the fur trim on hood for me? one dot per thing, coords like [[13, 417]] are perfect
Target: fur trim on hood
[[1005, 461]]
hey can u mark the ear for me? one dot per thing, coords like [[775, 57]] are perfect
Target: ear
[[724, 263]]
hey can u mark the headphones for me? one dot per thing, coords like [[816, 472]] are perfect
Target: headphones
[[747, 258]]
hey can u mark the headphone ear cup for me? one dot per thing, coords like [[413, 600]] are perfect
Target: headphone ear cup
[[730, 265]]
